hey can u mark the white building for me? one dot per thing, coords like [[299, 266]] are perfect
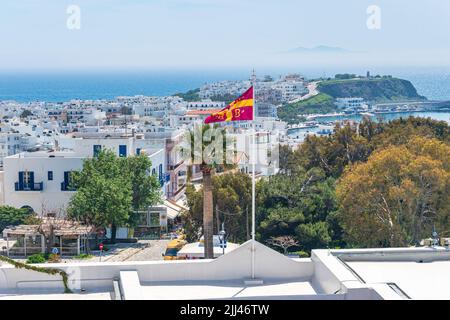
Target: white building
[[41, 180], [351, 103]]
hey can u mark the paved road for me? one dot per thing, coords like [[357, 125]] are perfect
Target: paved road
[[312, 91], [143, 250], [153, 251]]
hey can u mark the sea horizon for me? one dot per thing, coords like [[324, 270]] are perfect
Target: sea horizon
[[60, 86]]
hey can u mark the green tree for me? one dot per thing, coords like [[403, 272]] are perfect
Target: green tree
[[146, 189], [298, 205], [104, 194], [10, 216], [398, 195], [232, 199]]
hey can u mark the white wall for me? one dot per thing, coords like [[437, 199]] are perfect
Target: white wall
[[51, 198]]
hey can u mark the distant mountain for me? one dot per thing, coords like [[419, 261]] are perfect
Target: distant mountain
[[318, 49]]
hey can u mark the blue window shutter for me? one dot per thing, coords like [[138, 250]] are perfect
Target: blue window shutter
[[122, 150], [138, 151], [20, 180], [31, 173], [66, 177]]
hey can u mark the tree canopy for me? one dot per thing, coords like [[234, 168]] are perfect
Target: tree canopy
[[10, 216], [370, 184], [398, 196], [110, 189]]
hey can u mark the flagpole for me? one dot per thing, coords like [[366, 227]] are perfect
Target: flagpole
[[253, 175]]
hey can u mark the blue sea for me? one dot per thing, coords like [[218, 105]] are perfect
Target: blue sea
[[434, 83], [59, 87]]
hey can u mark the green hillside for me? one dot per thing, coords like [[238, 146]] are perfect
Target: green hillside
[[322, 103], [383, 89]]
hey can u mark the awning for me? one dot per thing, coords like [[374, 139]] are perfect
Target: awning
[[173, 208]]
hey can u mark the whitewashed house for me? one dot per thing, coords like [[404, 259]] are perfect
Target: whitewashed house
[[41, 180]]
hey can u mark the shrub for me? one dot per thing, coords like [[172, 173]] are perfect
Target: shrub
[[301, 254], [54, 258], [36, 258], [83, 256]]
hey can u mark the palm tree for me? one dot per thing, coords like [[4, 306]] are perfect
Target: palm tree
[[203, 148]]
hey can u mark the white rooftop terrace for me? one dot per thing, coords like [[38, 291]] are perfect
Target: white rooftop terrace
[[401, 273], [45, 154]]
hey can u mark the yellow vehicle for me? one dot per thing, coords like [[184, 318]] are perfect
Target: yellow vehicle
[[173, 247]]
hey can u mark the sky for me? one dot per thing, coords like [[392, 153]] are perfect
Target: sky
[[191, 34]]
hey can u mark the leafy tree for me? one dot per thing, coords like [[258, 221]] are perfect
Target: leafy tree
[[104, 194], [283, 242], [398, 195], [232, 198], [333, 153], [314, 235], [298, 205], [145, 188], [400, 131], [10, 216]]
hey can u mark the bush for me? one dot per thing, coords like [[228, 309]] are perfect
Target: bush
[[36, 258], [301, 254], [54, 258], [83, 256]]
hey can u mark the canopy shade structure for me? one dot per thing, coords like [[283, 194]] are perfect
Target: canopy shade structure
[[61, 227]]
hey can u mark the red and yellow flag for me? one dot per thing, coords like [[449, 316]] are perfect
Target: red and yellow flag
[[239, 110]]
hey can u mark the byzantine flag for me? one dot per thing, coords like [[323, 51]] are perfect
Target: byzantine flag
[[240, 109]]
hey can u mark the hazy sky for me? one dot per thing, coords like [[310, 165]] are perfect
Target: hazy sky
[[121, 34]]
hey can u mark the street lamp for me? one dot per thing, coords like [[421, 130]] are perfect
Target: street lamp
[[222, 239]]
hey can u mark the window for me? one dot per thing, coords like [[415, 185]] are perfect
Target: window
[[26, 181], [122, 150], [154, 219], [67, 185], [138, 151], [28, 177], [50, 175], [97, 149]]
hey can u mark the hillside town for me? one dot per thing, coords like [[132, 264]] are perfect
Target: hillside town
[[45, 146], [42, 143]]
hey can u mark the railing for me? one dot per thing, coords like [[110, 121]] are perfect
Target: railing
[[67, 187], [176, 166], [39, 186], [174, 195]]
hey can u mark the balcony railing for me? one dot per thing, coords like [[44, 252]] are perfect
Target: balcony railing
[[29, 186], [67, 187]]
